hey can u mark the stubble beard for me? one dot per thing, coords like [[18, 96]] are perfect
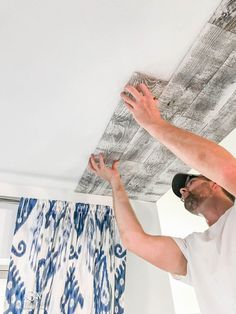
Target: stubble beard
[[191, 203], [196, 198]]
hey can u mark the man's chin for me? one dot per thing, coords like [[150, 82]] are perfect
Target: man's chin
[[191, 205]]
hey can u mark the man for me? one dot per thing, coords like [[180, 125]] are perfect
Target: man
[[205, 260]]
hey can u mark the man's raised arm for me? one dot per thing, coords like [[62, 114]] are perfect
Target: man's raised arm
[[210, 159], [161, 251]]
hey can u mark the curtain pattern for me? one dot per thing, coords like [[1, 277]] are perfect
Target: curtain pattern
[[65, 258]]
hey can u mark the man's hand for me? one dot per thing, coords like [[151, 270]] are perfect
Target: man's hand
[[97, 166], [142, 105]]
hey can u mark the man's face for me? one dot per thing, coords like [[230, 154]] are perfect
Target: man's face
[[195, 193]]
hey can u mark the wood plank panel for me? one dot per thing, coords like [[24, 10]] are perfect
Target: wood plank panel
[[215, 121], [118, 134], [218, 75], [225, 16], [209, 52], [223, 123], [212, 96], [199, 97], [216, 129]]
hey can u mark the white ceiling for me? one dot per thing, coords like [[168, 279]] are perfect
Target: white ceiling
[[62, 67]]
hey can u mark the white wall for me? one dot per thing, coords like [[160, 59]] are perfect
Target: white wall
[[7, 220], [2, 293], [147, 288]]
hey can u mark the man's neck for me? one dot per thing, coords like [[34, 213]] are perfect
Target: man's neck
[[215, 209]]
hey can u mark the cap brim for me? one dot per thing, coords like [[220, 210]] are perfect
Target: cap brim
[[179, 181]]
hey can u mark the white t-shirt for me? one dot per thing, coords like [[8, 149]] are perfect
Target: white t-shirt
[[211, 267]]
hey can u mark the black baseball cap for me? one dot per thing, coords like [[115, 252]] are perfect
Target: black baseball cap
[[180, 180]]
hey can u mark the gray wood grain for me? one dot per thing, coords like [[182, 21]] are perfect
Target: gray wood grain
[[225, 16], [118, 133], [210, 50], [211, 115], [215, 93]]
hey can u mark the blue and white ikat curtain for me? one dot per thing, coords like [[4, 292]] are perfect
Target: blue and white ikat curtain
[[65, 258]]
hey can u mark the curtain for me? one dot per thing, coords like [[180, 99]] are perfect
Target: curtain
[[65, 258]]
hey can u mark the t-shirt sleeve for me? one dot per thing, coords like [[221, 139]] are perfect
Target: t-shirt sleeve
[[182, 244]]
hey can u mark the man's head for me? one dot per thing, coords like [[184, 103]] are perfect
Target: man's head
[[193, 190]]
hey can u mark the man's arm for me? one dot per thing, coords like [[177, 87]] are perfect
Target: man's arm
[[210, 159], [161, 251]]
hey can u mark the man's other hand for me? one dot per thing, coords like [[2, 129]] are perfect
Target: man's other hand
[[97, 166]]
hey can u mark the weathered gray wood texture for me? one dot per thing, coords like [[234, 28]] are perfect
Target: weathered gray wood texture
[[200, 97], [225, 16]]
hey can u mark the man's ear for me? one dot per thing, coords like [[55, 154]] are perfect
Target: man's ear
[[215, 186]]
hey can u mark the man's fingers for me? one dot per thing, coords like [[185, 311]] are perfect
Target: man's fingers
[[129, 103], [139, 89], [93, 163], [133, 91], [115, 164], [101, 160], [144, 89], [127, 99], [91, 166], [130, 108]]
